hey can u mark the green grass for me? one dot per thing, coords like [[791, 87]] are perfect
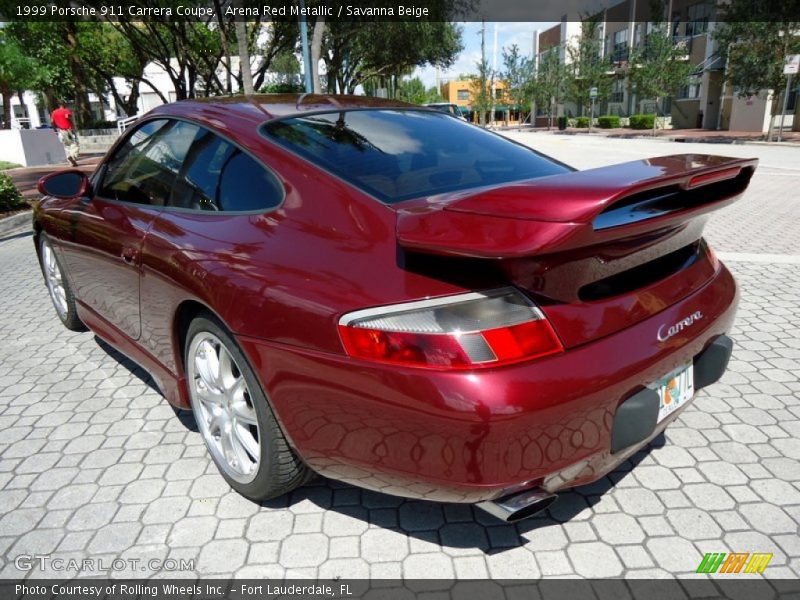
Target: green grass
[[4, 164]]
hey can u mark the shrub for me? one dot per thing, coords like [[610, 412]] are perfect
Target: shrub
[[281, 88], [582, 122], [642, 121], [608, 121], [10, 198]]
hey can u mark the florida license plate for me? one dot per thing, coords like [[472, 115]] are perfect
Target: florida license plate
[[675, 390]]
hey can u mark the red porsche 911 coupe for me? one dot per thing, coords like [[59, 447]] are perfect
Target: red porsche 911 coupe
[[391, 297]]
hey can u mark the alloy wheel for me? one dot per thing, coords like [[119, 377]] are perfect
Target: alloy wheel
[[223, 407], [54, 279]]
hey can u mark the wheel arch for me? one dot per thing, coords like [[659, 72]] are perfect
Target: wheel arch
[[185, 313]]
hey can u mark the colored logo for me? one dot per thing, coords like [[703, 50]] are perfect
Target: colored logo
[[737, 562]]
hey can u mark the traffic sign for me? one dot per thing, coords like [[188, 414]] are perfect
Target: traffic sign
[[593, 91], [792, 66]]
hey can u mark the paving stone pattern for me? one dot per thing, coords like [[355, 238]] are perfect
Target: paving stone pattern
[[94, 463]]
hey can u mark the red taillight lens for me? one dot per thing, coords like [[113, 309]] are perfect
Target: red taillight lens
[[459, 332]]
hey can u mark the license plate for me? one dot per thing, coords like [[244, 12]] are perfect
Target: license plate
[[675, 390]]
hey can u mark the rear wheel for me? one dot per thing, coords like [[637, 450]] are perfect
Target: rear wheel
[[234, 416], [58, 286]]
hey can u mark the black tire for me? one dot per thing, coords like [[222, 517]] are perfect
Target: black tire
[[67, 311], [279, 470]]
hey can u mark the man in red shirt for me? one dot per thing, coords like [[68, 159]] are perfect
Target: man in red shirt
[[65, 127]]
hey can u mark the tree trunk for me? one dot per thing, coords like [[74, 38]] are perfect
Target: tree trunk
[[25, 115], [316, 51], [223, 38], [6, 94], [244, 53], [655, 117], [83, 109], [773, 108]]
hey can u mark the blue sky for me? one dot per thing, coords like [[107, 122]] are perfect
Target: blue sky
[[507, 34]]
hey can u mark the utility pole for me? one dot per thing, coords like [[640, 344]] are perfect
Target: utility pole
[[309, 84], [482, 82], [791, 67], [535, 59], [785, 104], [494, 74]]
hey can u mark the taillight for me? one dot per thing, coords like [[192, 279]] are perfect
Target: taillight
[[467, 331]]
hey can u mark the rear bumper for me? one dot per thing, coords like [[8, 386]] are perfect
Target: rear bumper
[[476, 436]]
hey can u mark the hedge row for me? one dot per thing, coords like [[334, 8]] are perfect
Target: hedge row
[[642, 121], [608, 121]]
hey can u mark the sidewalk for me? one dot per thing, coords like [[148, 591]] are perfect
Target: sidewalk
[[791, 138]]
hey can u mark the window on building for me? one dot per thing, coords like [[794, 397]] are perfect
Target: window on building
[[498, 93], [690, 91], [549, 54], [620, 47], [697, 19], [463, 95], [617, 91]]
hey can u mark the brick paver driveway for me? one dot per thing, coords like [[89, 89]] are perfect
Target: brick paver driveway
[[93, 463]]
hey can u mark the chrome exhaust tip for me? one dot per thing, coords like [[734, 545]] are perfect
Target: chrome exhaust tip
[[518, 506]]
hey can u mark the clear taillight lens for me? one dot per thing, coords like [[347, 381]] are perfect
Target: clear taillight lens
[[479, 329]]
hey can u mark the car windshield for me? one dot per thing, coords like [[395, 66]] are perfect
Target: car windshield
[[398, 154]]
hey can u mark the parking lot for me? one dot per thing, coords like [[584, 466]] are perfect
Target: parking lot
[[95, 464]]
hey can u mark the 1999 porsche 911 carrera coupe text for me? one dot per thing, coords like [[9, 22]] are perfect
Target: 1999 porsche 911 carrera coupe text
[[389, 296]]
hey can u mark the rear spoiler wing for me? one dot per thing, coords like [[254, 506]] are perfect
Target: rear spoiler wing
[[576, 209]]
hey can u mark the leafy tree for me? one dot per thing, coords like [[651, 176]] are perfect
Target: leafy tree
[[755, 50], [482, 84], [47, 44], [354, 52], [17, 72], [587, 68], [286, 68], [193, 55], [106, 55], [548, 87], [433, 95], [413, 90], [659, 68], [519, 76]]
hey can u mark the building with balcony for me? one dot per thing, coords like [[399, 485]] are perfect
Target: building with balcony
[[706, 101]]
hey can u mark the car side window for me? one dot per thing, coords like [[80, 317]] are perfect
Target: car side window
[[144, 168], [218, 176]]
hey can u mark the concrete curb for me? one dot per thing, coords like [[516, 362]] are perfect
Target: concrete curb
[[15, 224]]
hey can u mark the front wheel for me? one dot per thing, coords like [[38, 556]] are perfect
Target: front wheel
[[234, 416], [58, 286]]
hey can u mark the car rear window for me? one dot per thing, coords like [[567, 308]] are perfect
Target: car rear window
[[400, 154]]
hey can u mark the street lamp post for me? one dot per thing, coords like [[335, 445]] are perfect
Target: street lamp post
[[791, 67], [306, 49]]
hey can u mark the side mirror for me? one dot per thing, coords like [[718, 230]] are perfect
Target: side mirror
[[65, 184]]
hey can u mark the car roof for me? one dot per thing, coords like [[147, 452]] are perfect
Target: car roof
[[265, 107]]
